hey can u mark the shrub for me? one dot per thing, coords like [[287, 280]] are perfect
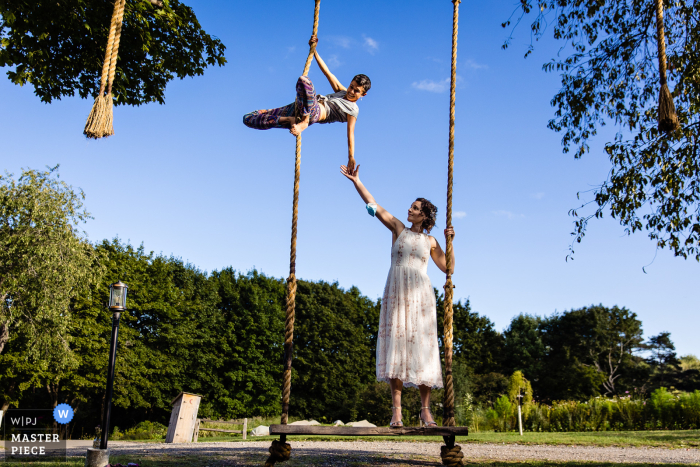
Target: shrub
[[663, 410]]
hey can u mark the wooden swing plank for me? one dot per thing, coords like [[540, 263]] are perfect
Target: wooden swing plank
[[368, 431]]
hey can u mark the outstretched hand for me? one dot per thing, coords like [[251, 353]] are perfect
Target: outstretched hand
[[351, 174], [313, 40], [449, 232]]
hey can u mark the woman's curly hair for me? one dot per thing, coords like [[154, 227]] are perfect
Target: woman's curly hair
[[429, 210]]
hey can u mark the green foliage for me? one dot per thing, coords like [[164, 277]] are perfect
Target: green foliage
[[519, 387], [504, 410], [334, 350], [524, 345], [663, 410], [44, 264], [689, 362], [143, 431], [587, 351], [59, 47], [608, 66]]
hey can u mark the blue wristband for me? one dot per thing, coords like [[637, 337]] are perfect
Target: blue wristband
[[371, 209]]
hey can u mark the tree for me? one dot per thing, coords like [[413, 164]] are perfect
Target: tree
[[519, 387], [523, 346], [570, 374], [663, 359], [44, 263], [610, 76], [619, 333], [586, 351], [334, 350], [58, 47]]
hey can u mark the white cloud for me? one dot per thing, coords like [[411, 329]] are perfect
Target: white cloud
[[507, 214], [341, 41], [333, 61], [539, 195], [432, 86], [459, 214], [370, 44], [475, 66]]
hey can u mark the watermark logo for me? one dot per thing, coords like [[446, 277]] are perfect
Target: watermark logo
[[63, 413], [34, 434]]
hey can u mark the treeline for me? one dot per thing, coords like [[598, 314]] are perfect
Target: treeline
[[220, 335]]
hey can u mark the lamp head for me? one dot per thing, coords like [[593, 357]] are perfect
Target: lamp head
[[117, 296]]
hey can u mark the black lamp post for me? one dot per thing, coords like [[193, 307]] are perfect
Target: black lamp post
[[117, 303]]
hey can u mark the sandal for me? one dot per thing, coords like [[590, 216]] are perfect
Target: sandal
[[427, 424], [398, 423]]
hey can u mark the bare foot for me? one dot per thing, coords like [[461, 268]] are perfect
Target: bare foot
[[297, 128]]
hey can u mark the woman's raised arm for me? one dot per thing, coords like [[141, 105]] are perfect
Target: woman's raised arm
[[389, 221]]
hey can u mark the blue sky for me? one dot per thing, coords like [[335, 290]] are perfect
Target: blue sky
[[196, 183]]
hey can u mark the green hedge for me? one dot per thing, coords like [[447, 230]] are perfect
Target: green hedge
[[663, 410]]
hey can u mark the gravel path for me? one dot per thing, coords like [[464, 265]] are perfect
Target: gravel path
[[341, 453]]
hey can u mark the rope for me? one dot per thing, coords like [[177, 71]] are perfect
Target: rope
[[668, 120], [449, 398], [452, 456], [282, 454], [279, 452], [99, 122]]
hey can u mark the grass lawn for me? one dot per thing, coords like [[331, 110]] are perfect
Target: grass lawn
[[667, 439]]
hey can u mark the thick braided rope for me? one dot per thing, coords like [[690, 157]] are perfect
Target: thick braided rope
[[99, 121], [661, 41], [452, 456], [110, 44], [115, 47], [449, 398], [291, 281]]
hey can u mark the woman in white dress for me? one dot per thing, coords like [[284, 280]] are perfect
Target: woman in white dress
[[407, 345]]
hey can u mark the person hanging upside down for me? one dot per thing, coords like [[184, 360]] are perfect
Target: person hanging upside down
[[309, 108], [407, 345]]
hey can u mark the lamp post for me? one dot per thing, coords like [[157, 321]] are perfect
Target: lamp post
[[117, 304]]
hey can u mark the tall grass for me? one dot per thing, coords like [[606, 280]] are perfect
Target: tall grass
[[663, 410]]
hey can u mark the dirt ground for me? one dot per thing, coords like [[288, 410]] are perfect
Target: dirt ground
[[364, 453]]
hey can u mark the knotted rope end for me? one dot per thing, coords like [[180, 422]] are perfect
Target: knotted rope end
[[668, 120], [452, 457], [100, 120], [279, 452]]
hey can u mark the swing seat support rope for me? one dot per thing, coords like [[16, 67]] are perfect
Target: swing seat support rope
[[280, 450]]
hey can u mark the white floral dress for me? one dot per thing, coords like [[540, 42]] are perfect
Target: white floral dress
[[407, 347]]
